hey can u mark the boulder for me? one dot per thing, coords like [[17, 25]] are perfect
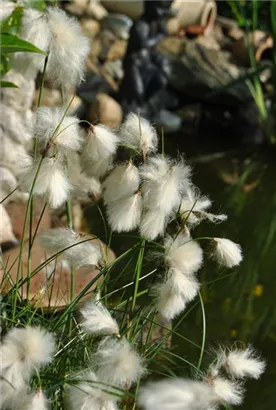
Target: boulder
[[50, 284], [105, 110], [203, 73]]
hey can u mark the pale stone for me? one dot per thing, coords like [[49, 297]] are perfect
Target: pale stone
[[96, 10], [6, 231], [106, 110], [117, 50], [90, 27]]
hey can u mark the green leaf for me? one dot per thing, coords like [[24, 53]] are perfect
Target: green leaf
[[11, 44], [12, 24], [7, 84], [36, 4], [4, 65]]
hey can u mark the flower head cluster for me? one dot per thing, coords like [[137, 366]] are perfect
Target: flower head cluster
[[117, 363], [30, 401], [66, 53], [97, 320], [144, 197], [138, 134], [23, 350], [240, 363], [123, 198], [72, 247], [48, 174], [193, 208], [227, 252], [114, 366], [213, 390], [183, 258], [89, 393]]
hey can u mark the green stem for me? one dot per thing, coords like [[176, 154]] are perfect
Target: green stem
[[42, 81], [32, 198], [69, 214], [19, 267], [138, 273], [203, 332]]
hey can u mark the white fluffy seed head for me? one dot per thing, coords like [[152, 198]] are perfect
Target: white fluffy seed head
[[51, 181], [185, 285], [192, 205], [176, 394], [122, 181], [64, 133], [6, 9], [14, 373], [96, 169], [183, 253], [8, 182], [125, 214], [227, 253], [163, 183], [153, 224], [35, 30], [87, 189], [32, 345], [89, 394], [97, 320], [137, 133], [168, 303], [227, 391], [100, 142], [118, 363], [242, 363], [34, 401], [80, 252], [68, 52]]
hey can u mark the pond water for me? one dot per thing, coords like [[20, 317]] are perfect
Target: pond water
[[240, 304]]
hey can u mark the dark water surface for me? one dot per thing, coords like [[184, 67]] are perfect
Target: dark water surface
[[240, 304]]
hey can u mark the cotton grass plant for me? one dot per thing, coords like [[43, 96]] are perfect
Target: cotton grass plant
[[97, 355]]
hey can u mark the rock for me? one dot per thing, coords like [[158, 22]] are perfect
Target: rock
[[131, 8], [199, 12], [105, 110], [51, 97], [8, 182], [10, 154], [115, 69], [77, 7], [94, 84], [169, 121], [235, 33], [261, 42], [17, 212], [6, 8], [76, 104], [50, 285], [208, 42], [90, 27], [226, 23], [118, 24], [200, 72], [7, 236], [117, 50], [102, 44], [96, 10]]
